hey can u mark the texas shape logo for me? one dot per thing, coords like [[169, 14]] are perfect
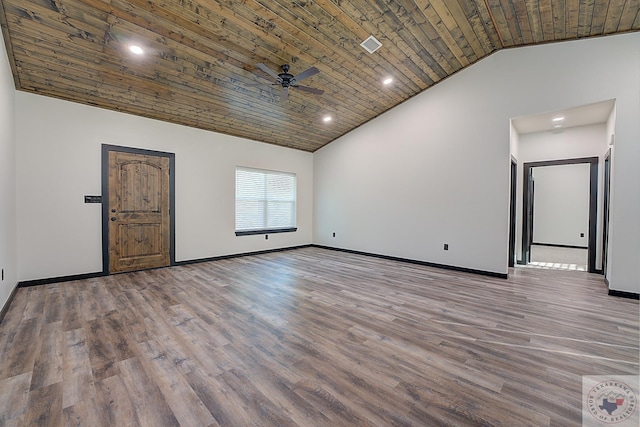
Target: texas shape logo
[[611, 401]]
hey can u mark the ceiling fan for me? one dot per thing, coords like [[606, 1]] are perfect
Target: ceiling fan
[[287, 80]]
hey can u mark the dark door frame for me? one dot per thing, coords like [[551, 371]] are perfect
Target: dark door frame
[[606, 199], [593, 206], [530, 191], [512, 211], [105, 198]]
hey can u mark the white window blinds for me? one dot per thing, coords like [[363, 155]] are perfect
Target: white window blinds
[[265, 200]]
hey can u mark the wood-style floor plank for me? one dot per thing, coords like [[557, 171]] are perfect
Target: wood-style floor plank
[[311, 337], [115, 403], [149, 404], [14, 392], [48, 367], [44, 407]]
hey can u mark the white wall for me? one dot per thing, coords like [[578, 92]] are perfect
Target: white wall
[[7, 179], [624, 239], [433, 170], [574, 142], [436, 168], [514, 140], [561, 205], [59, 161], [568, 143]]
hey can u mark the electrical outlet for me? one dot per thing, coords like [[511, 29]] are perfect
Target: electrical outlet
[[446, 246], [334, 234], [581, 234], [266, 237]]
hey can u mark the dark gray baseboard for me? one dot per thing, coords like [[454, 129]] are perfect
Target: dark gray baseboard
[[70, 278], [554, 245], [243, 254], [623, 294], [60, 279], [7, 303], [425, 263]]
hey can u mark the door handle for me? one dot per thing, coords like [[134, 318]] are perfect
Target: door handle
[[113, 218]]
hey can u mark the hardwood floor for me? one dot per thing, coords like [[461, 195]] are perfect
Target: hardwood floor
[[311, 337]]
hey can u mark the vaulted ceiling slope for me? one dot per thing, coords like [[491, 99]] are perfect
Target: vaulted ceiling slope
[[199, 66]]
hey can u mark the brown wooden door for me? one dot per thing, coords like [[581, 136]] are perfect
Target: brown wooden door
[[139, 212]]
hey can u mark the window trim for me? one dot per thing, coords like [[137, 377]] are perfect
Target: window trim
[[266, 231], [270, 230]]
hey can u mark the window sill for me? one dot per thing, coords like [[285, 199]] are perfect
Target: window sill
[[266, 231]]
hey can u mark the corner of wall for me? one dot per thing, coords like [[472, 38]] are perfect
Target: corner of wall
[[8, 218]]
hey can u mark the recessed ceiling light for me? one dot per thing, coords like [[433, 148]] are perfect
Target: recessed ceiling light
[[327, 119], [387, 81], [558, 119], [136, 49]]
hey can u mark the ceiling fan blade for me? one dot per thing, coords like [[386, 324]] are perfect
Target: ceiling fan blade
[[307, 73], [309, 89], [285, 94], [268, 70]]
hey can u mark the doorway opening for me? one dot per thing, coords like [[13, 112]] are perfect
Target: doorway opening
[[568, 251]]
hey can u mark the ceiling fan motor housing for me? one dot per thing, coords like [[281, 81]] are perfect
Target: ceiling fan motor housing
[[287, 80], [285, 76]]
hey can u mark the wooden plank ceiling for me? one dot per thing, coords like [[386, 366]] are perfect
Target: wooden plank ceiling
[[199, 66]]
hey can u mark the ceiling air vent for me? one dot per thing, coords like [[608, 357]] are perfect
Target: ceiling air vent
[[371, 44]]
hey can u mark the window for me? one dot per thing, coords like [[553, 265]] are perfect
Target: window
[[265, 201]]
